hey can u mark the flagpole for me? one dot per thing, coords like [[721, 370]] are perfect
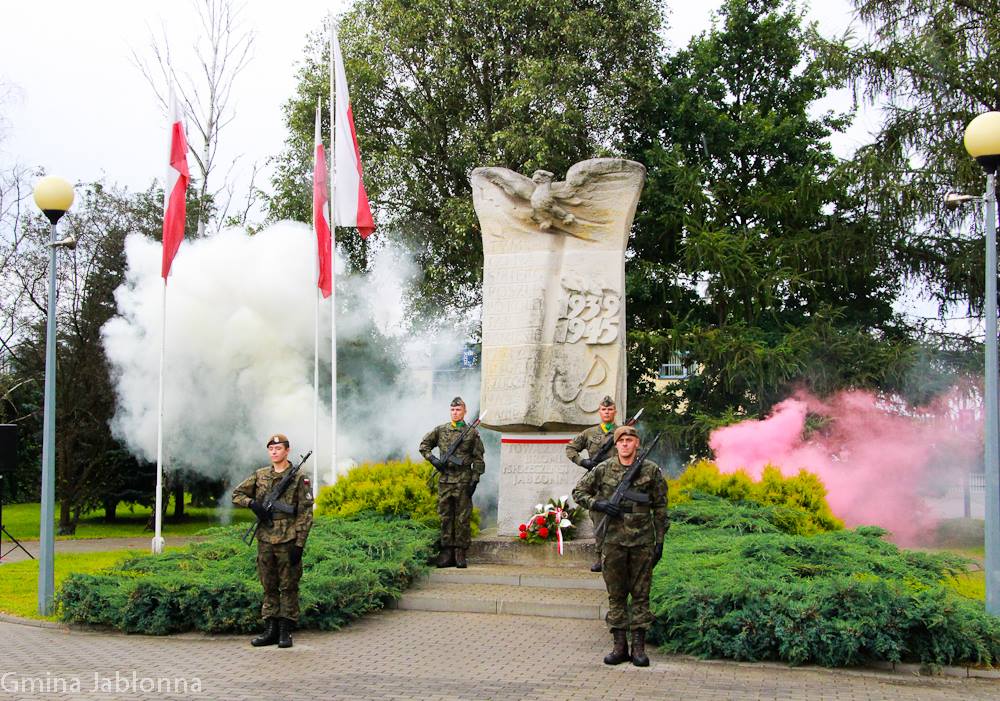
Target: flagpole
[[318, 294], [157, 544], [174, 217], [333, 258]]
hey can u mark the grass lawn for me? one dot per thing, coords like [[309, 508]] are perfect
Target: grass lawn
[[20, 579], [22, 521], [971, 585], [963, 536]]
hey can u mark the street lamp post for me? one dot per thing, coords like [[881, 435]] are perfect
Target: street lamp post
[[53, 196], [982, 141]]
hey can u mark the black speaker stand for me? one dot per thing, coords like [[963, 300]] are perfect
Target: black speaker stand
[[3, 531]]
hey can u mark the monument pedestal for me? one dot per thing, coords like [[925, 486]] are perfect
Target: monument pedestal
[[533, 469], [500, 550]]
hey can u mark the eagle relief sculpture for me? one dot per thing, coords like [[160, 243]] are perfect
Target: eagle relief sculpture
[[553, 291]]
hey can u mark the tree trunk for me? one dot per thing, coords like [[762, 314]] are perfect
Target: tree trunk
[[178, 485], [67, 526], [110, 509]]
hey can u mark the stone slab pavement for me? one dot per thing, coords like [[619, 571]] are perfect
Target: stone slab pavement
[[399, 655]]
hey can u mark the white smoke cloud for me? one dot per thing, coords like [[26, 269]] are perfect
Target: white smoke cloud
[[239, 355]]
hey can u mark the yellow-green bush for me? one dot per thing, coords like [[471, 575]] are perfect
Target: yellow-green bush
[[397, 488], [802, 498]]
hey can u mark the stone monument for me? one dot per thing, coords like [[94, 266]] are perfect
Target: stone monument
[[553, 317]]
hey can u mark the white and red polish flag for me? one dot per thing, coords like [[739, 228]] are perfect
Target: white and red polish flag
[[175, 190], [350, 206], [321, 196]]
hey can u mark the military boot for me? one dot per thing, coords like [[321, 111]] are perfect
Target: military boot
[[639, 658], [460, 561], [284, 632], [269, 636], [447, 557], [619, 653]]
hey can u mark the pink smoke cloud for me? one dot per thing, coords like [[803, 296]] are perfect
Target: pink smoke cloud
[[877, 457]]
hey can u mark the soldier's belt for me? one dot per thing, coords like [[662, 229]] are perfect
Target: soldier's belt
[[635, 508]]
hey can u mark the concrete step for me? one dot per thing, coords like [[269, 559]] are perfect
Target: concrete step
[[509, 599], [504, 550], [523, 576]]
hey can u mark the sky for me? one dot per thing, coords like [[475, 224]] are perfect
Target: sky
[[77, 106], [73, 102]]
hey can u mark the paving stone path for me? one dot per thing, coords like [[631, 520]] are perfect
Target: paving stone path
[[434, 656], [538, 636]]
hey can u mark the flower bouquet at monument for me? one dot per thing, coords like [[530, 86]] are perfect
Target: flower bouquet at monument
[[554, 521]]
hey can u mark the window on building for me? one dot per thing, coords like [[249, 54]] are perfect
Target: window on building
[[675, 368]]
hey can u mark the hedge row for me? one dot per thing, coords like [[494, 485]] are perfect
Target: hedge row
[[351, 567], [803, 509], [400, 488], [732, 584]]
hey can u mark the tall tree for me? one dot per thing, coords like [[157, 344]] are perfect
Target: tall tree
[[92, 468], [931, 65], [755, 260], [222, 51], [20, 396], [439, 88]]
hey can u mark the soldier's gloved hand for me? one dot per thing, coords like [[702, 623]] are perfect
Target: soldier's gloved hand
[[588, 463], [295, 556], [435, 461], [607, 507], [259, 510], [472, 488], [657, 553]]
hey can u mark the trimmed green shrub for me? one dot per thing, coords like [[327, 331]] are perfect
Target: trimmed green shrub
[[733, 584], [351, 566], [801, 499], [400, 488]]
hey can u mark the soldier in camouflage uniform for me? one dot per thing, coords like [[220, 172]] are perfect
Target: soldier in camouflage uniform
[[457, 482], [280, 545], [633, 542], [591, 440]]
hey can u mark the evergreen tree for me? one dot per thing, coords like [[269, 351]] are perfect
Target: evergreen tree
[[930, 65], [92, 468], [441, 88], [755, 259]]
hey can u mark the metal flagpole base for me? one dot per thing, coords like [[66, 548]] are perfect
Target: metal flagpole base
[[158, 543]]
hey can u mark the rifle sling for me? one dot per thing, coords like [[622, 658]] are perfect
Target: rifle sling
[[637, 497], [283, 510], [446, 458]]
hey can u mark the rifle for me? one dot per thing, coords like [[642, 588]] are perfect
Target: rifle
[[624, 489], [449, 457], [609, 443], [270, 504]]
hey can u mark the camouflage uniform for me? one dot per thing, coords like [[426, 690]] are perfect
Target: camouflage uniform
[[455, 483], [591, 440], [279, 577], [630, 541]]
